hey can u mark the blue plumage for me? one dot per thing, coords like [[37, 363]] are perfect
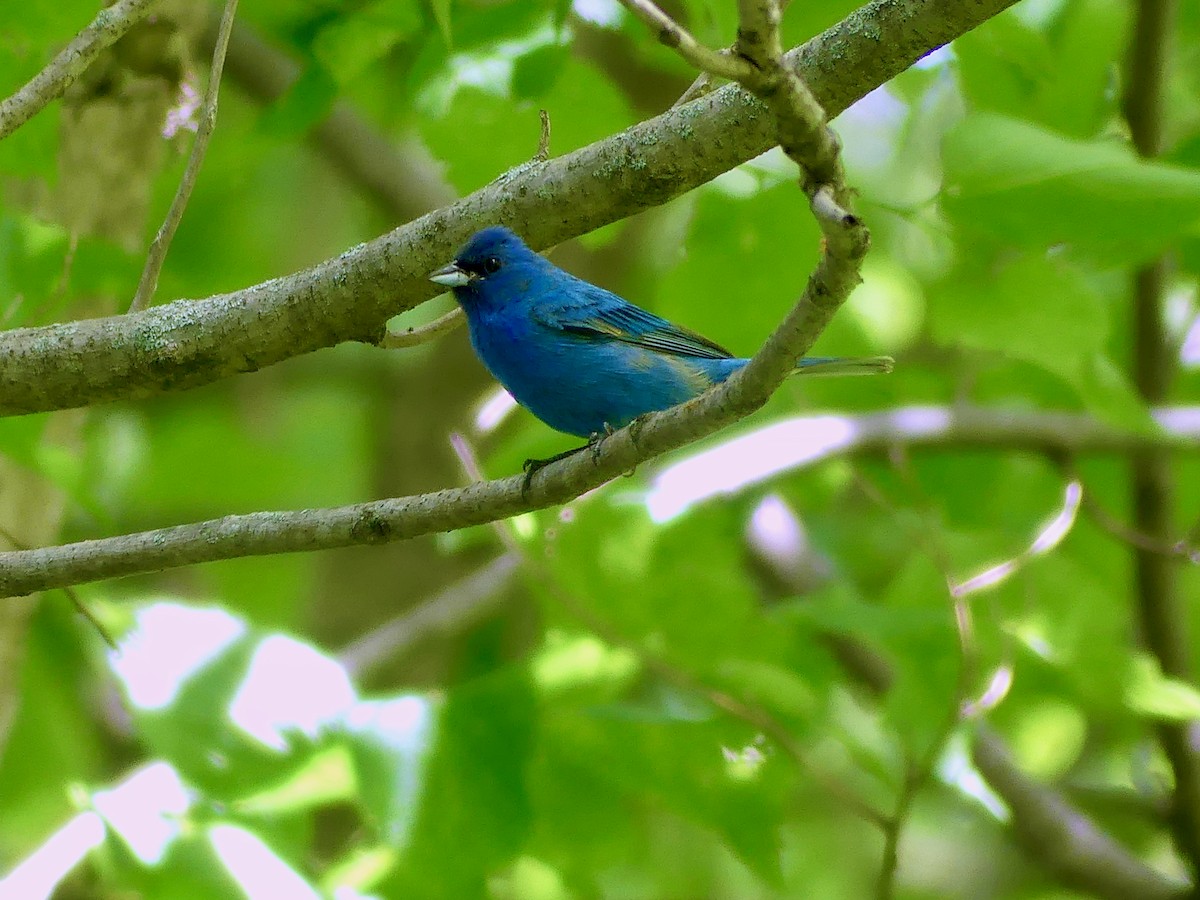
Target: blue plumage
[[578, 357]]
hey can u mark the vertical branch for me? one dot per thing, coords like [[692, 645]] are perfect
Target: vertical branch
[[1161, 613]]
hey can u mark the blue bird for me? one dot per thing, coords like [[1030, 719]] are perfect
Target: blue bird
[[578, 357]]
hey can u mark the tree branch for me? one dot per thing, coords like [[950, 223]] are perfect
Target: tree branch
[[1161, 609], [423, 334], [50, 83], [1064, 839], [208, 120], [381, 521], [1056, 833], [189, 343], [672, 34], [451, 610]]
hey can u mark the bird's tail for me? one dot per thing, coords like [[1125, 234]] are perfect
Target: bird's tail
[[841, 365]]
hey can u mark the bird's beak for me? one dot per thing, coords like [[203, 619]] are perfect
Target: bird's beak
[[450, 275]]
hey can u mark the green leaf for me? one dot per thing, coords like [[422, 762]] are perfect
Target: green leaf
[[474, 810], [349, 46], [1025, 307], [389, 741], [771, 686], [1056, 74], [1088, 44], [303, 105], [1149, 692], [1108, 392], [745, 260], [537, 71], [694, 768], [51, 741], [926, 651], [501, 137], [1000, 64], [1048, 738], [327, 777], [441, 13], [1035, 188], [223, 710], [20, 437]]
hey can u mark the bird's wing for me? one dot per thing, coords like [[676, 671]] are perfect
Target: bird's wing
[[592, 312]]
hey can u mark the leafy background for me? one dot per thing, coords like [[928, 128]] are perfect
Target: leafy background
[[561, 731]]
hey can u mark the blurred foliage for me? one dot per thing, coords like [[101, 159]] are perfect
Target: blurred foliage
[[660, 706]]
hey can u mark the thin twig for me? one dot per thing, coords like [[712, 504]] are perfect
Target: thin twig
[[208, 119], [80, 607], [452, 609], [706, 82], [672, 34], [918, 770], [64, 277], [1058, 835], [60, 73], [380, 521], [423, 334], [543, 150], [1184, 549]]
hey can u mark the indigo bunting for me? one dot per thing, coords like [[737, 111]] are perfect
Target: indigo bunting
[[578, 357]]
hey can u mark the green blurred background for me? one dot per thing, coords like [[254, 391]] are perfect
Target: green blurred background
[[553, 723]]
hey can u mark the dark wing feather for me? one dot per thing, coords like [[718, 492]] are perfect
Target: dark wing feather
[[592, 312]]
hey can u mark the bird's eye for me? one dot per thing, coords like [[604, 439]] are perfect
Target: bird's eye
[[491, 264]]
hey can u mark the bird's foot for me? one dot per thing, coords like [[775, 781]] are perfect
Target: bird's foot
[[532, 466], [594, 442], [635, 432], [636, 426], [596, 439]]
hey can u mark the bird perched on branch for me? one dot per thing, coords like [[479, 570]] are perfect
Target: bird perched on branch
[[578, 357]]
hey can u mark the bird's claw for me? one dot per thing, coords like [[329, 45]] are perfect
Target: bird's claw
[[595, 439], [594, 442], [636, 426], [532, 466], [529, 467]]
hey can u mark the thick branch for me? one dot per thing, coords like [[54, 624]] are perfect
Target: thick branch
[[188, 343], [50, 83], [382, 521]]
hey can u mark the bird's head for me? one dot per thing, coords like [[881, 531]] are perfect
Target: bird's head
[[493, 264]]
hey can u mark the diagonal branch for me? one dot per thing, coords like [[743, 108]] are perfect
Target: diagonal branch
[[672, 34], [50, 83], [208, 120], [1068, 842], [1058, 834], [381, 521], [193, 342]]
